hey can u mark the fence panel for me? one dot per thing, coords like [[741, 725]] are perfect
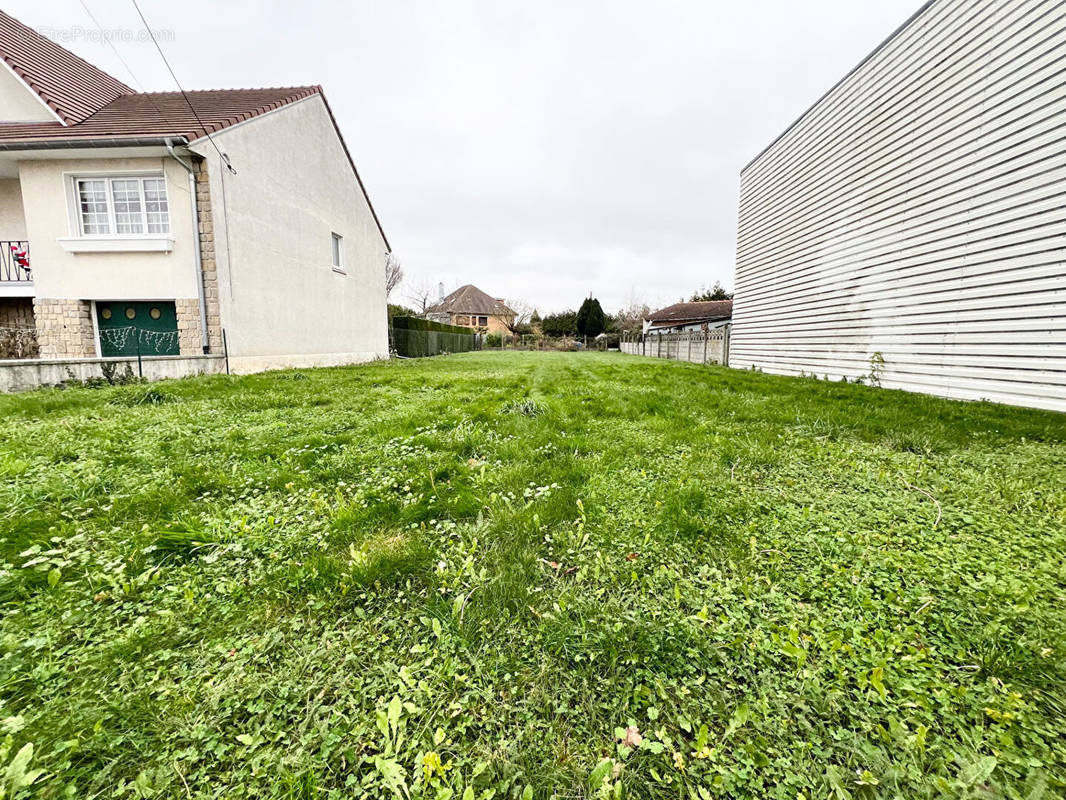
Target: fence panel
[[696, 347], [411, 343]]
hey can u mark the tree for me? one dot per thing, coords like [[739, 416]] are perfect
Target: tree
[[421, 297], [396, 310], [591, 320], [393, 274], [563, 323], [631, 318], [523, 311], [717, 293]]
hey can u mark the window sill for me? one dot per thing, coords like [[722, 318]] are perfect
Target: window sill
[[117, 244]]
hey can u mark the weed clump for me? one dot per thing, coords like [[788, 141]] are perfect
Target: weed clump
[[527, 407], [142, 396]]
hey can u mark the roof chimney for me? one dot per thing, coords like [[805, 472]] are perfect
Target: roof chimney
[[440, 291]]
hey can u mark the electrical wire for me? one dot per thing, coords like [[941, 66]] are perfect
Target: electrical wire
[[151, 34], [111, 44]]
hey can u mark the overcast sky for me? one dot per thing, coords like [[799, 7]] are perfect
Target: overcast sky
[[540, 150]]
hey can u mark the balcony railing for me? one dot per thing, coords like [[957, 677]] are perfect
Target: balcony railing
[[15, 262]]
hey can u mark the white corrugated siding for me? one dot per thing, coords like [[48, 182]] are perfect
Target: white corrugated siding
[[919, 211]]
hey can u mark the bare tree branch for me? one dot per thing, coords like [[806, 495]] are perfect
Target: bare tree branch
[[393, 274], [421, 296], [522, 312]]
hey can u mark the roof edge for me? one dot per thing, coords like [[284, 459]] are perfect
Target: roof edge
[[74, 144], [910, 21], [358, 177]]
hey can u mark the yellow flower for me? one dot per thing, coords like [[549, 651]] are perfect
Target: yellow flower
[[433, 766]]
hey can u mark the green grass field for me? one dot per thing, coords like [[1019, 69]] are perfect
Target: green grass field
[[524, 575]]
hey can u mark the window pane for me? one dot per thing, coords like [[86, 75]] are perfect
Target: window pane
[[155, 202], [126, 194], [92, 202], [336, 250]]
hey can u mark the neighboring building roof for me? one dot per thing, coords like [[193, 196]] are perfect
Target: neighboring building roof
[[162, 114], [694, 312], [73, 88], [471, 300]]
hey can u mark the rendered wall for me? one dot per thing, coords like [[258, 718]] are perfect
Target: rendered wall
[[12, 220], [281, 302], [104, 276], [18, 103]]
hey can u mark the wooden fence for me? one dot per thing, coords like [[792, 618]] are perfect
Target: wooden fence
[[697, 347]]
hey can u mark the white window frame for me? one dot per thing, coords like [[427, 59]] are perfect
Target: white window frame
[[81, 242], [336, 252]]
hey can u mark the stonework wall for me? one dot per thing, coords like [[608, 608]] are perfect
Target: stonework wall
[[64, 328], [207, 258], [16, 312], [496, 324], [188, 314]]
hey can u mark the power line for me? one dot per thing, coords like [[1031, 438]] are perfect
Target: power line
[[147, 27], [119, 56], [110, 43]]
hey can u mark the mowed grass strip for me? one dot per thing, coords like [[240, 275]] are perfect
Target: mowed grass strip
[[522, 575]]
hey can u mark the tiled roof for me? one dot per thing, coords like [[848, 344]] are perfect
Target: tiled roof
[[97, 109], [151, 114], [471, 300], [694, 312], [72, 87]]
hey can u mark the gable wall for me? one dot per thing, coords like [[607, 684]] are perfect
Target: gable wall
[[19, 103], [281, 301]]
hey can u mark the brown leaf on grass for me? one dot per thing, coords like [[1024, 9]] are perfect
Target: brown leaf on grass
[[632, 737], [633, 556]]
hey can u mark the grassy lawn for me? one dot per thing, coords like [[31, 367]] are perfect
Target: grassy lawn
[[524, 575]]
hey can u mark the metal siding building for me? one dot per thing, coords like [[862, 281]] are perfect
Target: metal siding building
[[918, 211]]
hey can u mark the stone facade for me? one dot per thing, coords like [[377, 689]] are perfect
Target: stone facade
[[188, 314], [16, 312], [190, 339], [207, 259], [495, 322], [64, 328], [18, 335]]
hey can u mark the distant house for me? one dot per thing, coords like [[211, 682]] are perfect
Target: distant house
[[124, 231], [690, 317], [472, 308]]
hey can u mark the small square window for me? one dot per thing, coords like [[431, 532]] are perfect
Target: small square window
[[338, 253], [483, 321]]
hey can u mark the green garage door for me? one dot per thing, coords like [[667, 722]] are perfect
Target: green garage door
[[127, 328]]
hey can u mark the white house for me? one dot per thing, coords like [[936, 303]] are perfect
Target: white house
[[154, 222], [910, 225], [700, 315]]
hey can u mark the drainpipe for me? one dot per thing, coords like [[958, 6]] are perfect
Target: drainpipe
[[196, 249]]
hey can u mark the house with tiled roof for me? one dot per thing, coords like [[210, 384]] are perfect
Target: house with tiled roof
[[180, 225], [696, 316], [472, 308]]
